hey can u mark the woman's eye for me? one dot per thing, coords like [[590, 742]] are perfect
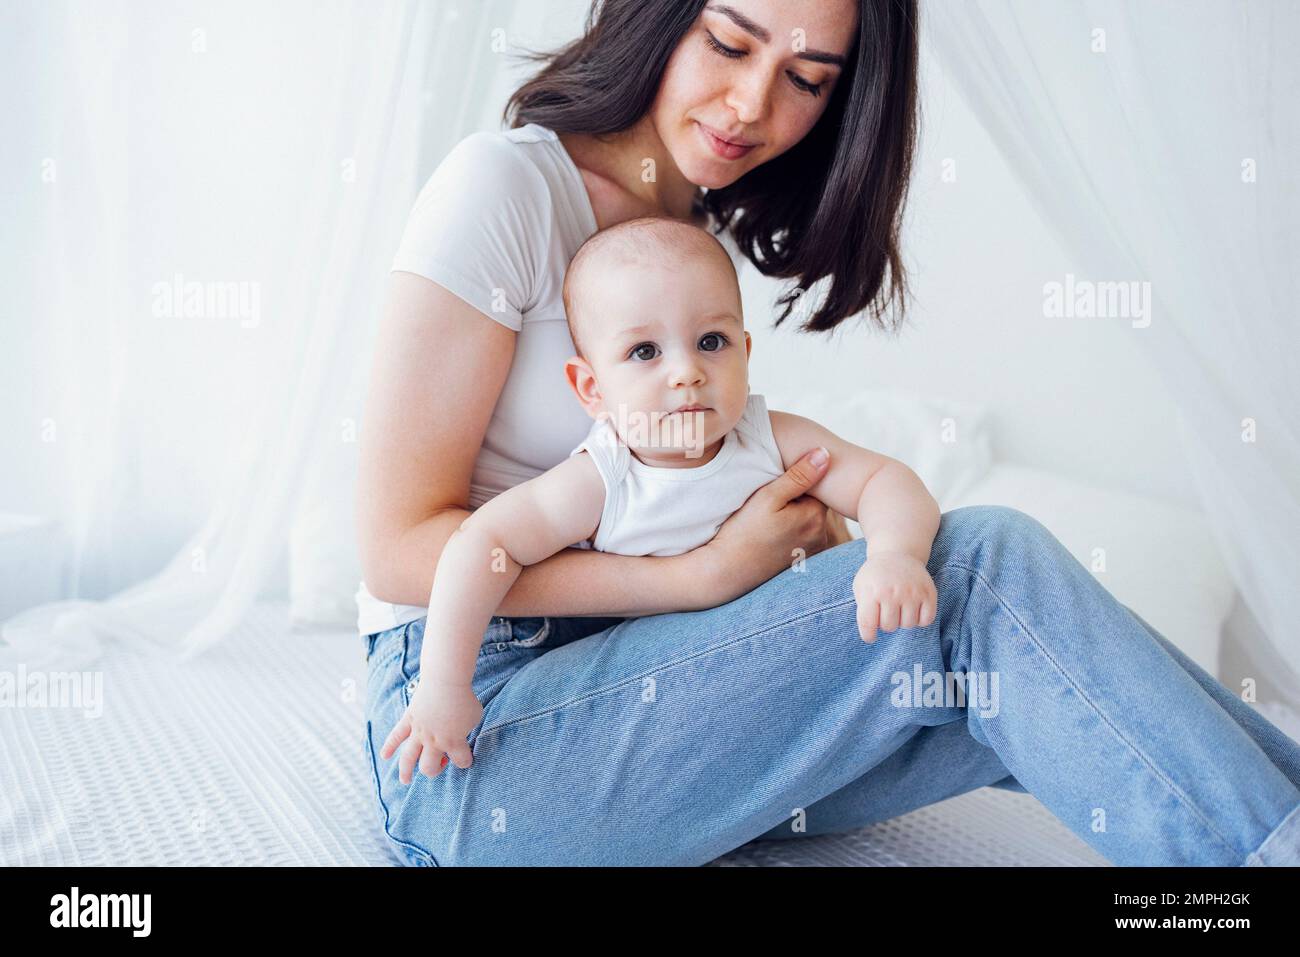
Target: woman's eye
[[731, 53], [814, 88], [718, 47], [713, 337], [640, 351]]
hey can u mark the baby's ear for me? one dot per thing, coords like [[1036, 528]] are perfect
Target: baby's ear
[[749, 345], [582, 380]]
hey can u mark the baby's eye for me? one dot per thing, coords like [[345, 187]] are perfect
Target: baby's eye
[[638, 351], [711, 337]]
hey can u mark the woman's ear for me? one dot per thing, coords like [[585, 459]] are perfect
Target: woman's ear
[[749, 345], [582, 380]]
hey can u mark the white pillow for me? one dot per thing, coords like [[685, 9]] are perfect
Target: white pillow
[[1161, 559]]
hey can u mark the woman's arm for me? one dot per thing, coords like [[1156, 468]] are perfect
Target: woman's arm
[[439, 367]]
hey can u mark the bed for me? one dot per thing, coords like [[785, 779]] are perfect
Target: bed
[[252, 755]]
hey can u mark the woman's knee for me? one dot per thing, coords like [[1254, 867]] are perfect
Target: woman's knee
[[969, 533], [974, 537]]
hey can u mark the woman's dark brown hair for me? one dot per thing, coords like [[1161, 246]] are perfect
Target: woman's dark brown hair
[[830, 206]]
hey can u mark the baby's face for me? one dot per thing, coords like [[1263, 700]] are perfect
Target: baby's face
[[658, 338]]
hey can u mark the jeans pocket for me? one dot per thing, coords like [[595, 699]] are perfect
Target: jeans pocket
[[390, 795], [383, 646], [514, 634], [529, 632], [384, 672], [502, 635]]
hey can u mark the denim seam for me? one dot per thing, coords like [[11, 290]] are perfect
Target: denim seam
[[406, 647], [598, 692], [1173, 788], [378, 664], [379, 793], [406, 678], [1288, 828]]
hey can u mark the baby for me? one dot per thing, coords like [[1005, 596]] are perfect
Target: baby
[[677, 445]]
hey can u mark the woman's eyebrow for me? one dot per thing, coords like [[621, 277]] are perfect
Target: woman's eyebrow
[[764, 36]]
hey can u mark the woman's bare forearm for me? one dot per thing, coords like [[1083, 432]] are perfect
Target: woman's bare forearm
[[574, 582], [582, 583]]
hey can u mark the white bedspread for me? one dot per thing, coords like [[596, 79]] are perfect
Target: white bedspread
[[253, 754]]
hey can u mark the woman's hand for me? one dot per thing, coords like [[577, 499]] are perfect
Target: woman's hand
[[438, 722], [760, 540]]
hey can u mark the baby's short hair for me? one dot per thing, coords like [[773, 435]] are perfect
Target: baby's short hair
[[657, 238]]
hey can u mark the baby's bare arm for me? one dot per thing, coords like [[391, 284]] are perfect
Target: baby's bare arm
[[482, 559], [891, 503]]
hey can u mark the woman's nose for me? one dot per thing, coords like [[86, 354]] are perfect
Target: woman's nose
[[748, 97]]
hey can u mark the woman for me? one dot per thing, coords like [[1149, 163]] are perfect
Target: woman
[[667, 710]]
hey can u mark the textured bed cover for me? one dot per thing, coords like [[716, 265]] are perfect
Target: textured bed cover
[[252, 754]]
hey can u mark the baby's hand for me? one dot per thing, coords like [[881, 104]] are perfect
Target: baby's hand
[[893, 590], [437, 721]]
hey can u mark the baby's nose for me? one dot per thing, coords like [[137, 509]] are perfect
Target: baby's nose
[[687, 373]]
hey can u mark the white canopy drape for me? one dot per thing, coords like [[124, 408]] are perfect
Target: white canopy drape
[[1167, 156], [282, 153], [286, 147]]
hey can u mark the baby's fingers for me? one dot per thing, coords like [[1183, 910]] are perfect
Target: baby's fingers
[[461, 755], [889, 615], [432, 761], [928, 606], [908, 615], [927, 613], [395, 737], [868, 620], [410, 754]]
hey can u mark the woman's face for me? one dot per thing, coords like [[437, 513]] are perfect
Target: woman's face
[[757, 73]]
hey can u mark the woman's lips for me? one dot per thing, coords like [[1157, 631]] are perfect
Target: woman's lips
[[720, 146]]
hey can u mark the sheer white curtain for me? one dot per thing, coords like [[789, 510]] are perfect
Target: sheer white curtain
[[230, 183], [1160, 141], [281, 145]]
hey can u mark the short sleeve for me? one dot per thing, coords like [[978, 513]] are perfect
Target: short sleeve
[[479, 226]]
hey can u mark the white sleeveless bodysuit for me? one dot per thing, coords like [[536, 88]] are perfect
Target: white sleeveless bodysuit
[[650, 510]]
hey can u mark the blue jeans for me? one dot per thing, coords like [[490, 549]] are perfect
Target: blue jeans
[[671, 739]]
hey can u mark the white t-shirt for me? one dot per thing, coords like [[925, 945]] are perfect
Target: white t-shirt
[[650, 510], [496, 224]]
